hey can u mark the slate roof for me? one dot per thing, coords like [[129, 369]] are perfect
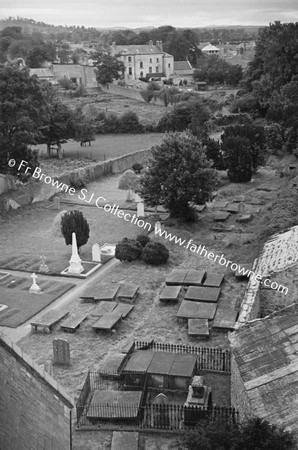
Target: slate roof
[[266, 352], [42, 73], [182, 65], [137, 49], [209, 48]]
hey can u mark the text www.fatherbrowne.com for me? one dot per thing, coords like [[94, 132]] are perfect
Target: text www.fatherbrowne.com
[[202, 251]]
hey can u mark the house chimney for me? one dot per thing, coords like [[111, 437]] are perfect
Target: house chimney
[[150, 43], [160, 45]]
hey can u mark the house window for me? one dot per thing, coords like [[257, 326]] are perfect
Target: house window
[[169, 65], [141, 65], [156, 69], [150, 60], [157, 59], [129, 59], [141, 74], [150, 69], [129, 71]]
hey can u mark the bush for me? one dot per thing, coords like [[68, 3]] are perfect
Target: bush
[[74, 222], [214, 153], [155, 253], [128, 250], [143, 239], [137, 167], [129, 123]]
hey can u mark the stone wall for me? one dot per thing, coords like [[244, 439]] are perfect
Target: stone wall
[[239, 398], [34, 413], [36, 191]]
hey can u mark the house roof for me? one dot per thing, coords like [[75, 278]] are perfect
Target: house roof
[[137, 49], [210, 48], [42, 73], [266, 353], [182, 65]]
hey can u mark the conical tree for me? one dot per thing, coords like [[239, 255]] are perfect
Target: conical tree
[[74, 222]]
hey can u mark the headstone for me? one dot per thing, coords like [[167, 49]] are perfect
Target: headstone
[[161, 399], [140, 209], [75, 265], [96, 253], [157, 227], [56, 202], [43, 266], [48, 367], [130, 195], [61, 352], [241, 207], [34, 289]]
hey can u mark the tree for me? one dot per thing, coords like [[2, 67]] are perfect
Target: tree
[[40, 53], [59, 124], [74, 222], [108, 68], [216, 70], [23, 109], [255, 434], [238, 159], [214, 153], [179, 175]]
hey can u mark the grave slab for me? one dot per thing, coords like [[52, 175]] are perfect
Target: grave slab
[[112, 364], [170, 293], [107, 322], [123, 309], [214, 279], [196, 310], [127, 293], [176, 277], [194, 277], [232, 208], [221, 216], [73, 322], [107, 294], [219, 204], [48, 320], [198, 327], [239, 198], [202, 294], [103, 308], [243, 272]]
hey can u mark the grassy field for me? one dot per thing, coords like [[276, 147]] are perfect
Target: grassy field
[[148, 113], [107, 146]]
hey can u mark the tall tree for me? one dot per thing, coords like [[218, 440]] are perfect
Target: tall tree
[[108, 67], [23, 109], [180, 175]]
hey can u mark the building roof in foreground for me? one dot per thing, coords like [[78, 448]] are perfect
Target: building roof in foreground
[[266, 352], [183, 66]]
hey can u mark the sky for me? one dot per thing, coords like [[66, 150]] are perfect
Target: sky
[[143, 13]]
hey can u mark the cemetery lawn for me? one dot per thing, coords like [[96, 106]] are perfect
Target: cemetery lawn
[[26, 233]]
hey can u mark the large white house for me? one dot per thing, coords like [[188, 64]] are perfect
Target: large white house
[[144, 60]]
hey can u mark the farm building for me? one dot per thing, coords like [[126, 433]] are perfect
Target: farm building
[[210, 50], [182, 71], [265, 368], [82, 75]]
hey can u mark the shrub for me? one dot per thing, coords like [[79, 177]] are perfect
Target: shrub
[[143, 239], [128, 250], [129, 123], [137, 167], [74, 222], [128, 180], [214, 152], [155, 253]]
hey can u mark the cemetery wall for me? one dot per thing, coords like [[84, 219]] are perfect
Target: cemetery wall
[[239, 397], [36, 191], [35, 412]]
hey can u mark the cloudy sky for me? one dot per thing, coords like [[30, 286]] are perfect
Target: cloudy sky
[[141, 13]]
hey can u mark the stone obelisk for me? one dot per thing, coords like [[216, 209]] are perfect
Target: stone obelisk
[[75, 265]]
